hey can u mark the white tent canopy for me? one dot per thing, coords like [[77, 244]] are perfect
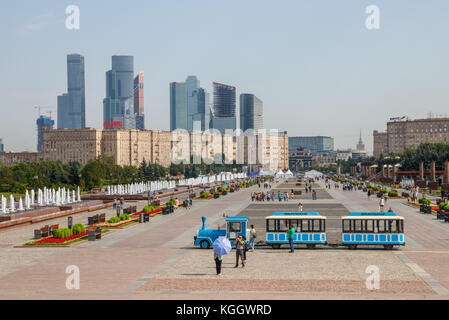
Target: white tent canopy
[[289, 173], [280, 173], [313, 174]]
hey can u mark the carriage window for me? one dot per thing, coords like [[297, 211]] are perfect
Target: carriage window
[[346, 225], [400, 226], [369, 227], [381, 225], [357, 225], [271, 225], [304, 225], [392, 226], [234, 227]]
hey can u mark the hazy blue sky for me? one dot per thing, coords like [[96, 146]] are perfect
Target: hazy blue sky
[[314, 64]]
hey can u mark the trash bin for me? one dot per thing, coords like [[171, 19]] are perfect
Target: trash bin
[[141, 218]]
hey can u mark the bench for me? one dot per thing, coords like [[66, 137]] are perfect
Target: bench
[[94, 234], [93, 220], [297, 192], [441, 215], [216, 195], [224, 193], [42, 232], [165, 210]]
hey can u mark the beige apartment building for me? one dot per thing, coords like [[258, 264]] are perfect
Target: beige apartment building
[[380, 143], [132, 147], [406, 134]]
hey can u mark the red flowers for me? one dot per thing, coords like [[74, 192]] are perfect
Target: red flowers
[[61, 241]]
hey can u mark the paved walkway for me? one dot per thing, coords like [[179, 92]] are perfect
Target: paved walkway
[[156, 260]]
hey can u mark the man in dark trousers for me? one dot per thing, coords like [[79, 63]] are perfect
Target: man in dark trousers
[[239, 246]]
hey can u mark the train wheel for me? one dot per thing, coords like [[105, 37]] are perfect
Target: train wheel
[[352, 246], [276, 246], [204, 244], [388, 246], [311, 246]]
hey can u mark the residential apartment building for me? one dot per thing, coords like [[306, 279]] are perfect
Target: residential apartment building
[[132, 147], [406, 134]]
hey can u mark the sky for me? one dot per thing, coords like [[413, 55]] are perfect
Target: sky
[[314, 64]]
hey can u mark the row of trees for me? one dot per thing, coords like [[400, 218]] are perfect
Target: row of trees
[[95, 174]]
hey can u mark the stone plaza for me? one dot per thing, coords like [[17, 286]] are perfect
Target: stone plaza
[[157, 260]]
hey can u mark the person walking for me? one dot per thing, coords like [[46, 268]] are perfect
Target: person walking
[[252, 237], [291, 235], [314, 195], [218, 260], [239, 251], [381, 204], [245, 249]]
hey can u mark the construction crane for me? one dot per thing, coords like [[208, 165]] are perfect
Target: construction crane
[[44, 107]]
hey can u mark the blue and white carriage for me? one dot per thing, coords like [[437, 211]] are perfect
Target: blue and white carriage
[[373, 228], [310, 228]]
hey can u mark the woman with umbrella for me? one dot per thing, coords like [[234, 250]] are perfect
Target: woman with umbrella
[[221, 247]]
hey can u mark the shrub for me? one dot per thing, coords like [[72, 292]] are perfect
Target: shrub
[[442, 205], [78, 228], [424, 201], [170, 203], [62, 233], [393, 193], [446, 208], [212, 191], [148, 209], [383, 190], [204, 195], [220, 189], [114, 220], [375, 188], [124, 217]]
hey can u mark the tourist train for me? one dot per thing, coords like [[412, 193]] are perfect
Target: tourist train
[[358, 228]]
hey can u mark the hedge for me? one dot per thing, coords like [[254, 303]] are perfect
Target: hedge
[[148, 209], [62, 233], [204, 195], [124, 217], [114, 220], [78, 228]]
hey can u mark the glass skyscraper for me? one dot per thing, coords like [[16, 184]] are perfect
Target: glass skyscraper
[[178, 106], [72, 105], [118, 106], [43, 123], [317, 145], [189, 105], [251, 112], [224, 108]]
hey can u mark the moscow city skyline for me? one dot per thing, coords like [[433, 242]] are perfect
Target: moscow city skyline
[[318, 71]]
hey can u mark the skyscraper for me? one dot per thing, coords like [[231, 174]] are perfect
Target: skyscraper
[[251, 112], [189, 104], [118, 106], [192, 85], [224, 108], [178, 106], [2, 146], [138, 101], [72, 105], [43, 123]]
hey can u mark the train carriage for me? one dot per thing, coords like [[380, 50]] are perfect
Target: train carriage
[[310, 228], [373, 228]]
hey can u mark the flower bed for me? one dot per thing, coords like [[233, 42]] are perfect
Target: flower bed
[[205, 198], [115, 225], [151, 213], [61, 241]]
